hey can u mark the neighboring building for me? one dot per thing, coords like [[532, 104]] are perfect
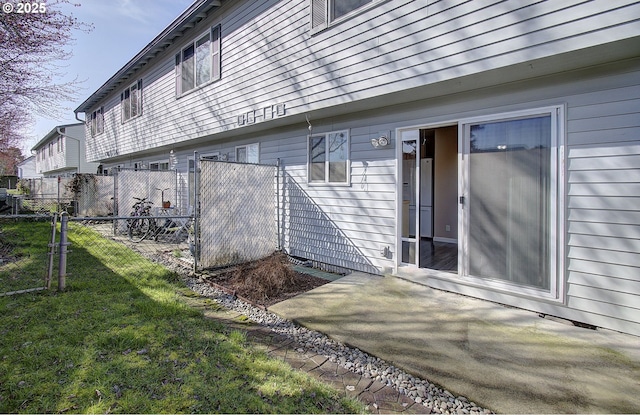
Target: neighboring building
[[61, 153], [27, 168], [489, 148]]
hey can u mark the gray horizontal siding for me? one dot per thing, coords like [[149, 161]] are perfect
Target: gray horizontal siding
[[344, 226], [268, 57], [628, 286], [603, 198]]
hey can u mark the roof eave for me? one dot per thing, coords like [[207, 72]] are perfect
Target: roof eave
[[51, 134], [188, 19]]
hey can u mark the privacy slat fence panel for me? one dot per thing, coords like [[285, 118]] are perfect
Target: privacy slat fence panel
[[238, 212], [149, 184]]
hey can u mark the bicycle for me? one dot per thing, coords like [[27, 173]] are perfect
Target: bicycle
[[138, 227]]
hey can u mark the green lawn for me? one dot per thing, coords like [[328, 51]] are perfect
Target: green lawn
[[120, 339]]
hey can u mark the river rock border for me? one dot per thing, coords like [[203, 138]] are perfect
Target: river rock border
[[422, 391]]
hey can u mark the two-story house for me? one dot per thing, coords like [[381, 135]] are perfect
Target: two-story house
[[485, 147], [27, 168], [61, 153]]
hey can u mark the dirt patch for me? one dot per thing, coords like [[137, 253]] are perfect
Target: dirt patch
[[267, 281]]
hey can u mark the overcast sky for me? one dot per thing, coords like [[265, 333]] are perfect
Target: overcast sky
[[122, 28]]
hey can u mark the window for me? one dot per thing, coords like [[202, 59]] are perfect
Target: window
[[323, 12], [159, 165], [329, 158], [131, 101], [248, 154], [192, 171], [97, 122], [199, 62]]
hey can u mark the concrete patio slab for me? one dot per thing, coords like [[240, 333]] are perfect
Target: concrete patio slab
[[505, 359]]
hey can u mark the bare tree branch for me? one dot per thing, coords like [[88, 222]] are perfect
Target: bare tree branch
[[32, 46]]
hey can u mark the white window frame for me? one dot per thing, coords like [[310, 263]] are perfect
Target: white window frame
[[191, 171], [215, 69], [158, 164], [322, 15], [246, 147], [96, 122], [556, 291], [126, 102], [327, 142]]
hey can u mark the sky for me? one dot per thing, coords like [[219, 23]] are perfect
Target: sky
[[121, 29]]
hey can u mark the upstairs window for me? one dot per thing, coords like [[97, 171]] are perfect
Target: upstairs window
[[329, 158], [97, 122], [323, 12], [198, 63], [131, 101], [159, 165], [248, 154]]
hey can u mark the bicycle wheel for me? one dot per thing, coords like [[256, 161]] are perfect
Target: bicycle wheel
[[139, 229]]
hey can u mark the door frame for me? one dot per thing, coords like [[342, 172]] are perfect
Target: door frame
[[558, 284], [399, 184], [556, 228]]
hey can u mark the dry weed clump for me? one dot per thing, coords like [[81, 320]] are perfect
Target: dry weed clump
[[266, 278]]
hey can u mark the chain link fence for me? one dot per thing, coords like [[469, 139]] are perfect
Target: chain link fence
[[238, 216], [27, 260], [95, 238], [42, 196], [93, 195], [156, 186]]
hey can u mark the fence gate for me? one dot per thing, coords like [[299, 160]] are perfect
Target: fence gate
[[238, 212]]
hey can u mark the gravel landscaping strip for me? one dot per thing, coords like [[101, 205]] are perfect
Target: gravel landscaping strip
[[421, 391]]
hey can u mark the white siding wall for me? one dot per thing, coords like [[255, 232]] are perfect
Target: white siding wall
[[604, 203], [269, 57], [343, 226], [349, 226], [602, 162]]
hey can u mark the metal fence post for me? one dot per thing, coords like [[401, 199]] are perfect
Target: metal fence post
[[52, 250], [278, 203], [58, 197], [62, 266], [196, 210], [116, 211]]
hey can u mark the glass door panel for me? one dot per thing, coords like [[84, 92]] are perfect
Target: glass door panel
[[510, 201], [409, 196]]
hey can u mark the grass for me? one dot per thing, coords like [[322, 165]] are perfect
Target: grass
[[121, 339], [24, 254]]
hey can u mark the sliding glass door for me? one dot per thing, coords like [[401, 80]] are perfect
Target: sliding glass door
[[510, 204]]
